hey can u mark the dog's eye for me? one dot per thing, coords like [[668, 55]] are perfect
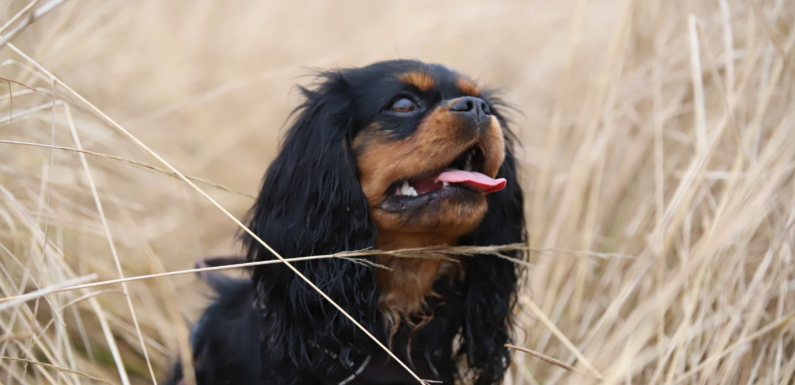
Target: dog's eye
[[404, 105]]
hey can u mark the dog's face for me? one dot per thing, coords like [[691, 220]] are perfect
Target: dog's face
[[428, 149]]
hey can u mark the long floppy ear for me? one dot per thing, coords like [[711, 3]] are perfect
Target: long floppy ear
[[491, 282], [311, 203]]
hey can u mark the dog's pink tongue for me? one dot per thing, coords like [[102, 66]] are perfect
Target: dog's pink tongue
[[472, 179]]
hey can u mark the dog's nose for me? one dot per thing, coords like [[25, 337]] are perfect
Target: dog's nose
[[476, 107]]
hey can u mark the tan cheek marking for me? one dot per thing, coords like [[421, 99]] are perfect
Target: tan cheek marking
[[467, 87], [382, 161], [421, 80]]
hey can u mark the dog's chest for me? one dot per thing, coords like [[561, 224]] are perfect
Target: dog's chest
[[405, 287]]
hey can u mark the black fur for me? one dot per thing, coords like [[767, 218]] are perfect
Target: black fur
[[277, 330]]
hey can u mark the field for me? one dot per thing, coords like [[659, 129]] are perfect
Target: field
[[658, 158]]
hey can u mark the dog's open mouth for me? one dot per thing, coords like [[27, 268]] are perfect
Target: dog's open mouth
[[464, 173]]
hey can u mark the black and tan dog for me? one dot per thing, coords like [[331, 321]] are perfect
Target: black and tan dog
[[398, 154]]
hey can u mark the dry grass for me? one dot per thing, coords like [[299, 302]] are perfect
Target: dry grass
[[659, 161]]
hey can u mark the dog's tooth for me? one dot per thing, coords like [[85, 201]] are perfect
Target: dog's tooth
[[406, 189], [445, 184], [411, 192]]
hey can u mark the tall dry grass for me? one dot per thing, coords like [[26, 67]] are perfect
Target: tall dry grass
[[658, 163]]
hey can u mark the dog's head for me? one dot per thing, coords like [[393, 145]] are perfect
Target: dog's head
[[427, 149], [397, 146], [395, 149]]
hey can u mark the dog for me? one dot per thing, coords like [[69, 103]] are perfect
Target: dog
[[395, 155]]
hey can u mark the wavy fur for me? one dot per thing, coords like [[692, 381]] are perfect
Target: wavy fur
[[312, 203]]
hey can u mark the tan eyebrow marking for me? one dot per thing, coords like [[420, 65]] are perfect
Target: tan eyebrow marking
[[418, 79], [467, 87]]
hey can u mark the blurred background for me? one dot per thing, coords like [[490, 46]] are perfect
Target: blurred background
[[658, 157]]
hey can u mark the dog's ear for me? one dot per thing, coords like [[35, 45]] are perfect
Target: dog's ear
[[311, 203], [491, 282]]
